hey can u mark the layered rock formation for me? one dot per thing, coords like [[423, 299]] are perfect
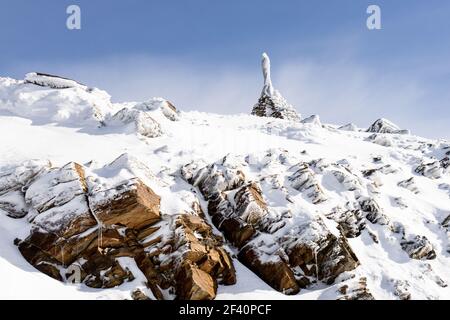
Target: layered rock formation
[[85, 224], [286, 257]]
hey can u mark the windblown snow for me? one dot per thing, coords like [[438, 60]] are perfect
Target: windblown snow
[[386, 190]]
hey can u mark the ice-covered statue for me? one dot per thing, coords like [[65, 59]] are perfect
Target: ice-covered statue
[[271, 103], [268, 88]]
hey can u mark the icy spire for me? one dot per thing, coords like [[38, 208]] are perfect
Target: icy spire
[[268, 88]]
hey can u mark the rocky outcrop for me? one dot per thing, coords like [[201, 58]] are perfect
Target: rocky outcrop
[[272, 270], [190, 260], [303, 180], [355, 290], [13, 184], [349, 127], [131, 204], [317, 252], [59, 201], [410, 185], [51, 81], [373, 211], [284, 254], [350, 222], [84, 223], [137, 121], [165, 106], [385, 126], [433, 170], [348, 181], [314, 120], [419, 247]]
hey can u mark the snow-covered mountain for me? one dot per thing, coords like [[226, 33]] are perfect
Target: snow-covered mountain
[[147, 201]]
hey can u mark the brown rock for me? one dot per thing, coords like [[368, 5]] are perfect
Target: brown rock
[[275, 272], [59, 196], [236, 231], [195, 284], [105, 272], [324, 260], [139, 295], [355, 291], [250, 205], [65, 251], [40, 260], [131, 204]]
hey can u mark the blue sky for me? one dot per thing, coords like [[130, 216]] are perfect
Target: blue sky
[[205, 54]]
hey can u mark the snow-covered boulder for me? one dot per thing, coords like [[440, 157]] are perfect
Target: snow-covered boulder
[[165, 106], [135, 120], [432, 170], [41, 99], [303, 180], [131, 204], [355, 290], [385, 126], [51, 81], [14, 182], [314, 119], [349, 127], [419, 247]]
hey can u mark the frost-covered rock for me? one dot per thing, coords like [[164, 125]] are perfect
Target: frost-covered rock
[[349, 127], [373, 211], [419, 247], [13, 184], [271, 269], [386, 126], [355, 290], [271, 103], [410, 185], [303, 180], [317, 252], [51, 81], [59, 199], [250, 205], [165, 106], [314, 119], [350, 222], [75, 106], [138, 121], [131, 204], [278, 250], [104, 220], [432, 170], [348, 181]]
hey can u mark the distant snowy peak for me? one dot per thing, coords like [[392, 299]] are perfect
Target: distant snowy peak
[[385, 126], [272, 103]]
